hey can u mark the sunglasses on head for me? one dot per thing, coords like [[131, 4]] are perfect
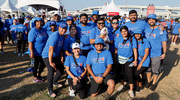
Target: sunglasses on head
[[101, 23], [115, 22]]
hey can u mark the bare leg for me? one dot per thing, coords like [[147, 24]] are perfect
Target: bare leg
[[149, 77], [111, 86]]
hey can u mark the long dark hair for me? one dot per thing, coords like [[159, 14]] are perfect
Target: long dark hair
[[76, 35], [129, 35], [140, 38]]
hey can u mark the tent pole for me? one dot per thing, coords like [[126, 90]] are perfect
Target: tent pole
[[46, 13]]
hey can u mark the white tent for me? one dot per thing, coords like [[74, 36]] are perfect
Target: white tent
[[112, 9], [31, 10], [21, 9], [8, 7], [40, 4]]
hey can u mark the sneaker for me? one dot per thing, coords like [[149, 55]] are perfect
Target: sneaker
[[139, 89], [42, 79], [36, 80], [120, 88], [15, 52], [153, 87], [57, 85], [71, 92], [131, 93], [22, 55], [51, 94], [147, 85], [19, 54], [67, 81]]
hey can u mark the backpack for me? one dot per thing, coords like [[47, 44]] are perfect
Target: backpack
[[19, 36]]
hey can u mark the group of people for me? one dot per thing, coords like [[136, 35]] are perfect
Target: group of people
[[107, 51]]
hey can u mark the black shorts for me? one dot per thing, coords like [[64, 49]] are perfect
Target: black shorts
[[175, 34], [0, 37], [95, 86]]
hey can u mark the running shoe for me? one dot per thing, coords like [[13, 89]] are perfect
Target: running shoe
[[36, 80], [57, 85], [120, 88], [147, 85], [131, 93], [71, 92], [153, 87], [139, 89]]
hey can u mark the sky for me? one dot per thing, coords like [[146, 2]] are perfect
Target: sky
[[73, 5]]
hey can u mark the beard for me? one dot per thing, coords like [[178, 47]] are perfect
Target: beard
[[84, 22]]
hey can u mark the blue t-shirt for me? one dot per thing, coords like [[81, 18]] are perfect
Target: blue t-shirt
[[22, 28], [168, 24], [49, 33], [95, 33], [8, 23], [175, 27], [38, 38], [68, 43], [99, 61], [115, 36], [69, 62], [141, 25], [108, 24], [83, 35], [126, 50], [55, 40], [155, 40], [2, 28], [94, 24], [13, 30], [141, 51]]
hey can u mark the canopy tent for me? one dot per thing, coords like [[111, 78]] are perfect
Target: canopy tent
[[31, 10], [40, 4], [21, 9], [112, 10], [8, 7]]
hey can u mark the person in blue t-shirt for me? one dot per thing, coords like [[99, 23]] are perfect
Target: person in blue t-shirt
[[69, 21], [2, 29], [175, 31], [69, 40], [13, 34], [95, 17], [143, 57], [53, 57], [158, 44], [83, 31], [22, 31], [76, 80], [108, 22], [126, 55], [99, 65], [52, 28], [37, 38], [8, 23], [134, 23]]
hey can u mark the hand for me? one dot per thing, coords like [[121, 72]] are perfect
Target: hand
[[53, 65], [139, 66], [163, 56], [75, 79], [101, 36], [98, 80], [31, 55], [135, 63], [62, 59]]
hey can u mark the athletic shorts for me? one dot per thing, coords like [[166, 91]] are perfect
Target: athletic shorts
[[155, 65], [0, 37], [175, 34], [95, 86]]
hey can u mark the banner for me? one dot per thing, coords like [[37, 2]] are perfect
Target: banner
[[113, 13], [150, 10]]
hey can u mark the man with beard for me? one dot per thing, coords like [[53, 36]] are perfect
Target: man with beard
[[157, 42], [96, 32], [83, 31], [95, 17], [134, 23]]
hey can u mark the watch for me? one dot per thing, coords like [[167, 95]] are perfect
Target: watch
[[103, 77]]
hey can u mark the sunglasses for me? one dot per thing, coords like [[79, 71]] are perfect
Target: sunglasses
[[115, 22], [101, 23]]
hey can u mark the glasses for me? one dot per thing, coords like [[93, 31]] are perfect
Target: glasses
[[115, 22], [84, 18], [101, 23], [73, 29]]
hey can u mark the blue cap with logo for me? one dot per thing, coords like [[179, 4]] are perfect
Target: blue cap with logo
[[137, 31], [99, 40], [27, 16], [153, 16], [63, 25], [69, 18], [95, 12], [38, 19], [52, 23]]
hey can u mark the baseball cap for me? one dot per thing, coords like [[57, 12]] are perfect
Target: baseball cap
[[52, 23], [57, 13], [69, 18], [95, 12], [63, 25], [137, 31], [153, 16], [99, 40], [75, 45]]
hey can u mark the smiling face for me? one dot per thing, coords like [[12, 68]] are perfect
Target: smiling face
[[137, 36], [83, 20], [115, 23], [62, 31], [76, 51], [100, 24], [151, 22], [39, 24], [99, 46], [133, 17], [73, 31], [124, 33], [69, 22]]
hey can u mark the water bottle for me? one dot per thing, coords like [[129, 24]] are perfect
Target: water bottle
[[161, 32], [32, 62], [131, 65]]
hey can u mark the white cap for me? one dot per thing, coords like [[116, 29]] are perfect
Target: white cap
[[57, 12], [75, 45]]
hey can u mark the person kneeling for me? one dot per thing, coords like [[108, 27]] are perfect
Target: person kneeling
[[99, 65], [76, 69]]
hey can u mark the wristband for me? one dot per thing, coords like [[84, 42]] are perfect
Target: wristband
[[80, 76], [103, 77], [164, 53]]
